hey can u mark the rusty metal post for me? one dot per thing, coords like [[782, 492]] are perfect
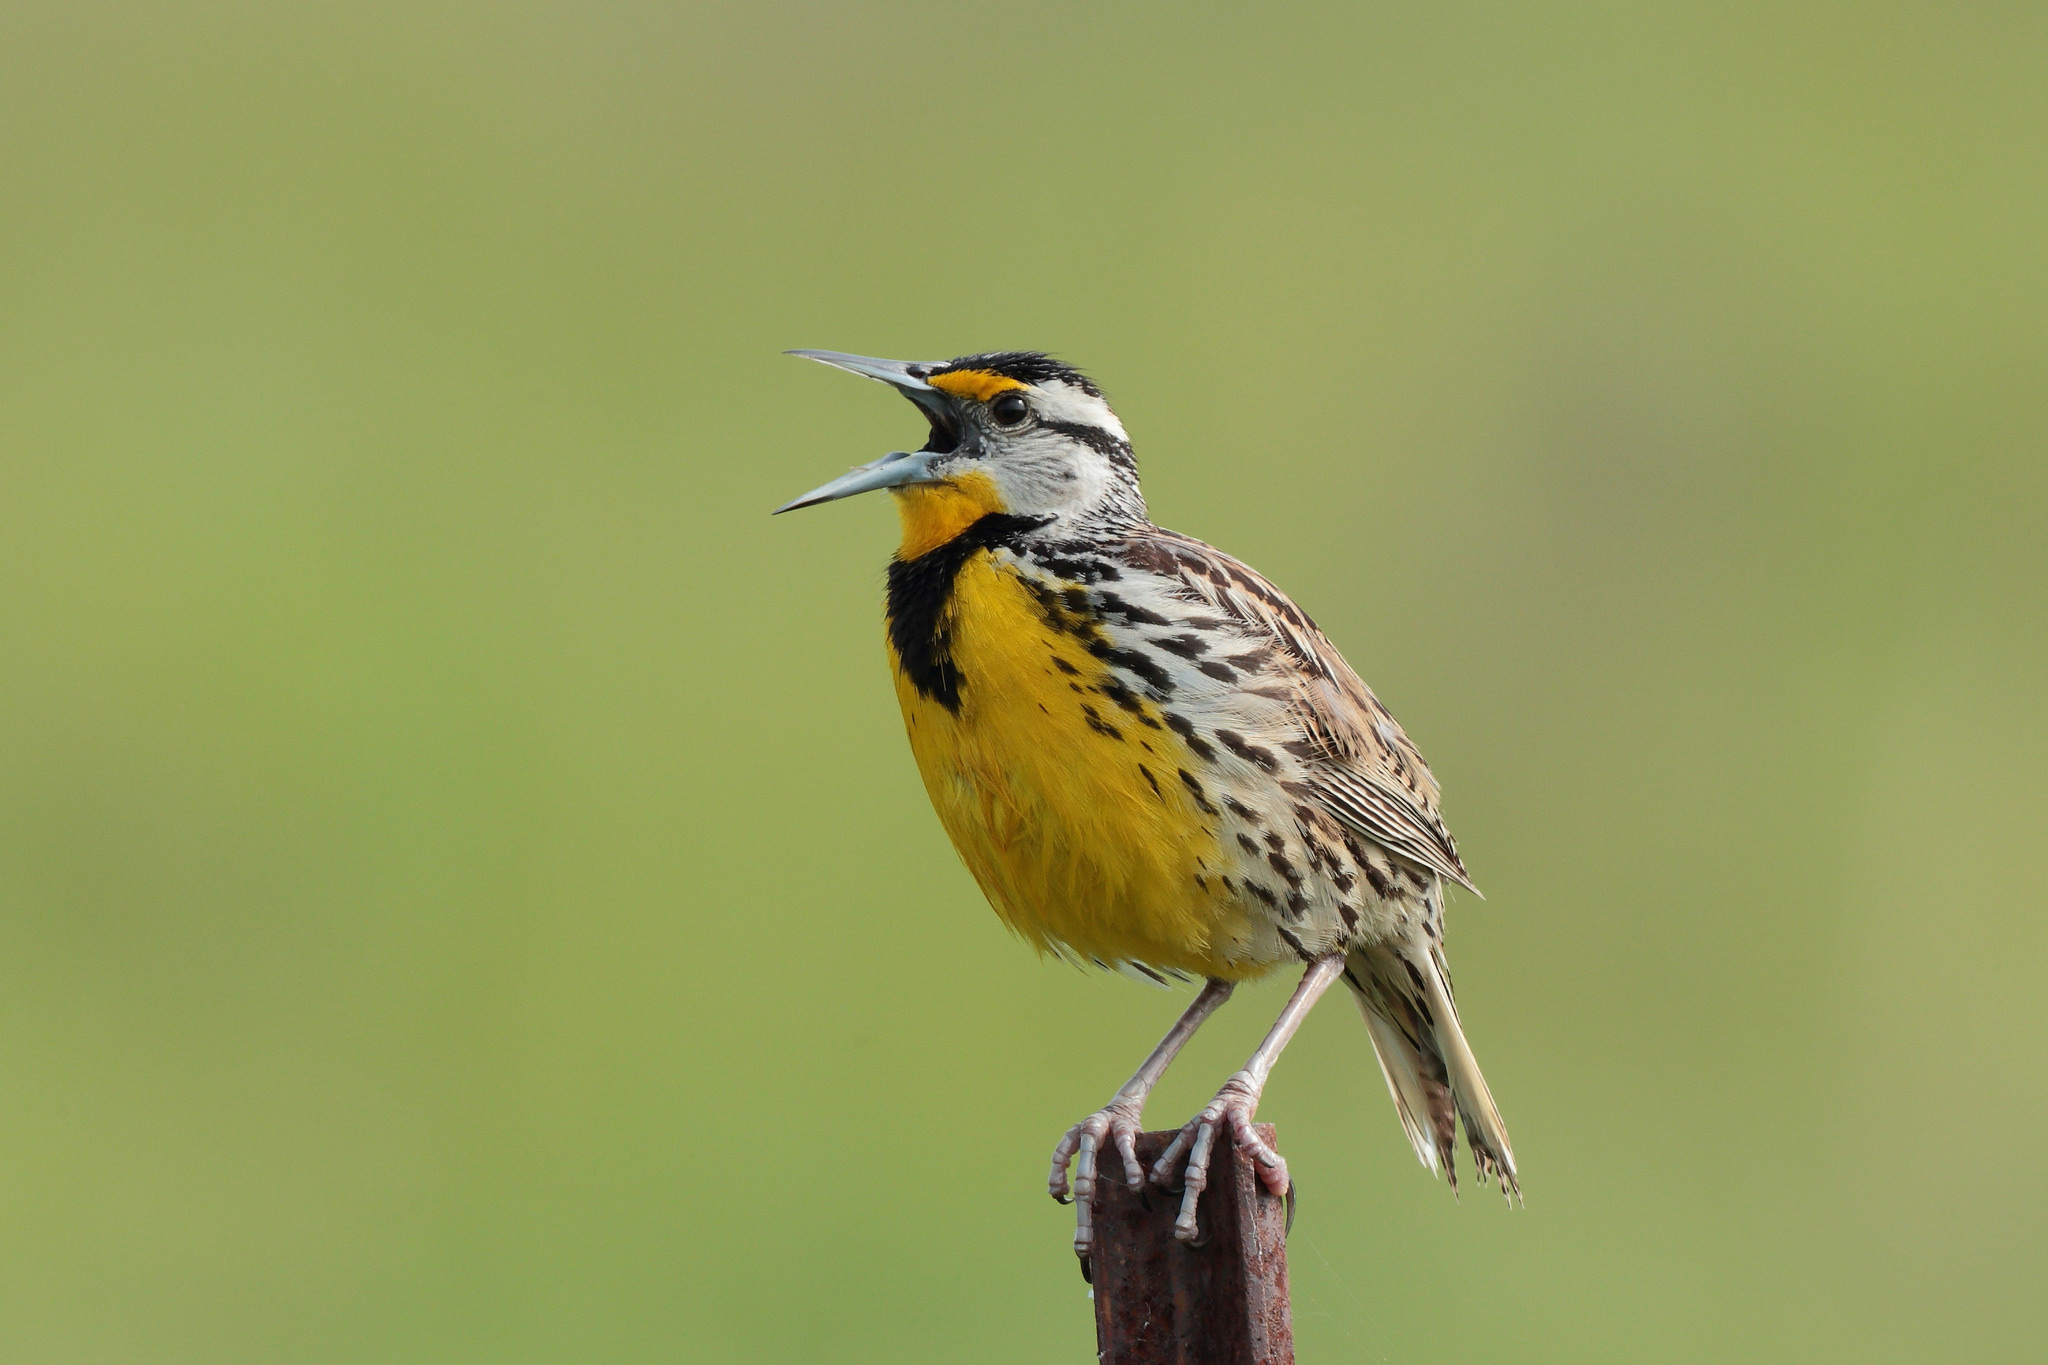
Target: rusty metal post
[[1163, 1302]]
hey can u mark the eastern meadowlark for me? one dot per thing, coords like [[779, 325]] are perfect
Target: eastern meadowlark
[[1152, 760]]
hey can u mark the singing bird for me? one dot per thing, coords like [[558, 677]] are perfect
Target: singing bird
[[1152, 760]]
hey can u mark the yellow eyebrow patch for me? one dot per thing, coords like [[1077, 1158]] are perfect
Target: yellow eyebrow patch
[[980, 385]]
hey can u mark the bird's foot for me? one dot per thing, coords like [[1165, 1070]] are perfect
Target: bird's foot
[[1234, 1105], [1115, 1125]]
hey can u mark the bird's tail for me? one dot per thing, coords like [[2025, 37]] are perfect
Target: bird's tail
[[1404, 992]]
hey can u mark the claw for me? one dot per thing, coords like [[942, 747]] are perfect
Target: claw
[[1289, 1197]]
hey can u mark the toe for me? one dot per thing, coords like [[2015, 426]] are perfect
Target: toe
[[1084, 1166], [1169, 1160], [1127, 1148], [1194, 1181], [1081, 1140], [1062, 1155], [1271, 1166], [1056, 1182]]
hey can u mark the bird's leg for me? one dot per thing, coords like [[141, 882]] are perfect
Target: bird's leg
[[1237, 1101], [1118, 1120]]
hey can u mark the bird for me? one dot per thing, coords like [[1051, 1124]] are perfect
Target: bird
[[1152, 760]]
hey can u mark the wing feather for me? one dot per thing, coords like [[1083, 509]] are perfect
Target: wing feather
[[1360, 766]]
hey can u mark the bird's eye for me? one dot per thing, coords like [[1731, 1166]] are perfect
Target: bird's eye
[[1010, 409]]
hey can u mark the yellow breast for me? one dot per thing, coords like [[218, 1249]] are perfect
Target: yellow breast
[[1071, 811]]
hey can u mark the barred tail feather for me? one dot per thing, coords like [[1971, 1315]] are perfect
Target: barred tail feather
[[1404, 991], [1416, 1081]]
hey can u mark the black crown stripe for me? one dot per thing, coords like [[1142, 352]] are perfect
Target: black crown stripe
[[1026, 367]]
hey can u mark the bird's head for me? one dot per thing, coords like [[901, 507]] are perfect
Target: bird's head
[[1012, 432]]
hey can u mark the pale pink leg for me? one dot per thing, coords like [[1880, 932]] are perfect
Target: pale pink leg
[[1235, 1104], [1120, 1120]]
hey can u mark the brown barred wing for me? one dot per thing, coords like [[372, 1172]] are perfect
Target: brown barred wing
[[1358, 764], [1388, 818]]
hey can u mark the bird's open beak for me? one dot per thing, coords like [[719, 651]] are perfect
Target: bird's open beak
[[898, 467]]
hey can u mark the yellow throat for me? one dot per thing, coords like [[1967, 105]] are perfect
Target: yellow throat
[[1073, 805]]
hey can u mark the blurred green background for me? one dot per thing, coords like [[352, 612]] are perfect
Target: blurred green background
[[464, 894]]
